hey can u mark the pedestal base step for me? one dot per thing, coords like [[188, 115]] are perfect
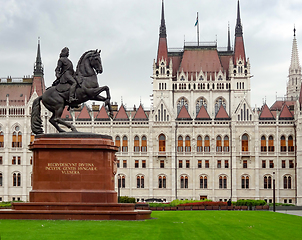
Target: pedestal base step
[[74, 211]]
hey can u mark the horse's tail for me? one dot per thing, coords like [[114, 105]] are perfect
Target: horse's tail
[[36, 121]]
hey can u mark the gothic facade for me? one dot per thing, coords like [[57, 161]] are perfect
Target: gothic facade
[[200, 139]]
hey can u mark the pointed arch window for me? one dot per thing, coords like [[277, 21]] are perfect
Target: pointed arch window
[[263, 144], [283, 144], [184, 182], [201, 102], [245, 143], [180, 144], [121, 181], [162, 143], [245, 182], [207, 144], [1, 139], [144, 144], [182, 102], [218, 103], [271, 147], [125, 144], [287, 182], [226, 144], [267, 182], [1, 179], [32, 138], [188, 144], [199, 144], [162, 181], [136, 144], [140, 181], [118, 143], [290, 143], [218, 144], [223, 181], [203, 182], [16, 179]]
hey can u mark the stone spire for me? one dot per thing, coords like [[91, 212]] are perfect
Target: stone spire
[[294, 76], [163, 30], [295, 64], [238, 30], [38, 68]]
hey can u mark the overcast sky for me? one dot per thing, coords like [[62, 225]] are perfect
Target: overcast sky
[[127, 33]]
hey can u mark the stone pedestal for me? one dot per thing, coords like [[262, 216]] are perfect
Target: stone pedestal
[[73, 178]]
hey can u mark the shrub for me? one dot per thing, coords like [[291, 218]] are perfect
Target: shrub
[[125, 199], [249, 202]]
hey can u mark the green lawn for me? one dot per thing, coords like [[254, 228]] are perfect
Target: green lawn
[[165, 225]]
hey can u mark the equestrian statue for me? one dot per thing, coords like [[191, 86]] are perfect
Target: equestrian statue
[[71, 88]]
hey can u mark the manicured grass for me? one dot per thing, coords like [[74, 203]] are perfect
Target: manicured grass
[[166, 225]]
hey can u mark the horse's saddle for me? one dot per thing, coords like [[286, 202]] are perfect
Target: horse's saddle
[[63, 87]]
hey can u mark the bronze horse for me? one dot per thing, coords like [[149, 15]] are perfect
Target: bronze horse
[[56, 98]]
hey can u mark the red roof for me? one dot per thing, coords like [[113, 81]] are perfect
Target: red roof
[[206, 60], [140, 114], [38, 85], [66, 114], [176, 60], [222, 114], [162, 50], [285, 113], [183, 114], [279, 104], [121, 115], [225, 62], [203, 114], [16, 93], [239, 50], [84, 114], [266, 114], [102, 115]]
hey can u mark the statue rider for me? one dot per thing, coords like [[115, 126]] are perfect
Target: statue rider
[[65, 73]]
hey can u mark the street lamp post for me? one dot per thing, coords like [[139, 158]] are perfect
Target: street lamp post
[[118, 187], [274, 193]]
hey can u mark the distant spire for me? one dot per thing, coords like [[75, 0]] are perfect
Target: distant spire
[[38, 68], [295, 64], [294, 31], [229, 38], [163, 30], [238, 31]]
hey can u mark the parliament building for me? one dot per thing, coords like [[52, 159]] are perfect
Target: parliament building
[[201, 137]]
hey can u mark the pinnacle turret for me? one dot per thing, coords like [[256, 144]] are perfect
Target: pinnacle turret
[[38, 68], [238, 30], [295, 64], [163, 30]]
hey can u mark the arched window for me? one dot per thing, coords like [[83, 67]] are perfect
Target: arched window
[[118, 142], [218, 144], [184, 182], [125, 144], [290, 143], [203, 182], [245, 143], [140, 181], [14, 140], [162, 181], [1, 180], [222, 181], [283, 144], [199, 144], [207, 144], [226, 145], [218, 103], [144, 144], [244, 182], [1, 139], [188, 144], [271, 147], [287, 182], [180, 144], [121, 181], [16, 179], [201, 102], [136, 144], [263, 144], [182, 102], [162, 143], [267, 182]]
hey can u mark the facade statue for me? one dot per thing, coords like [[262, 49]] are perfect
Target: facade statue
[[70, 89]]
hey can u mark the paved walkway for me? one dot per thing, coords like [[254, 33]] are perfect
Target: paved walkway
[[292, 212]]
